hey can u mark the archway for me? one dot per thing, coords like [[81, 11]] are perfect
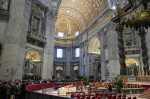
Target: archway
[[132, 61], [94, 46], [94, 61], [133, 64], [33, 64], [34, 55], [75, 72], [59, 72]]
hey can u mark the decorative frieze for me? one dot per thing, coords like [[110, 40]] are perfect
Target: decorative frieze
[[36, 39]]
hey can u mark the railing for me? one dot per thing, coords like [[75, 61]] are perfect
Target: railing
[[39, 86], [143, 78], [36, 36], [35, 95], [131, 48]]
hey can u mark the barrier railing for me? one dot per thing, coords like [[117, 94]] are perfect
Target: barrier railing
[[39, 86]]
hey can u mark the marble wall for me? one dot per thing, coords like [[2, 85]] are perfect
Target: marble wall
[[13, 35]]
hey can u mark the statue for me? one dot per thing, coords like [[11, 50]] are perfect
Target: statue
[[29, 66], [132, 71], [107, 67], [146, 70], [132, 77], [35, 24], [58, 75]]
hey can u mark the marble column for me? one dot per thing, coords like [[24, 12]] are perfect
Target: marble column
[[148, 45], [114, 65], [81, 59], [68, 60], [102, 56], [14, 44], [47, 70]]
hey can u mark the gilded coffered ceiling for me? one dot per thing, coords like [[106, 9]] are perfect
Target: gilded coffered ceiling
[[77, 15]]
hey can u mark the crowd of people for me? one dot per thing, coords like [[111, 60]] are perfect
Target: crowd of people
[[15, 89]]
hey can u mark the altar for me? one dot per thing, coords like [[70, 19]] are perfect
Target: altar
[[62, 91]]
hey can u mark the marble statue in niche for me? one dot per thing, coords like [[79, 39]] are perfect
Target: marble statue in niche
[[35, 24], [107, 67], [105, 39], [128, 39], [38, 9], [132, 70], [146, 70], [58, 75], [29, 66], [4, 4]]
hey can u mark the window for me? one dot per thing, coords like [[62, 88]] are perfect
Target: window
[[77, 33], [77, 52], [59, 53], [60, 34]]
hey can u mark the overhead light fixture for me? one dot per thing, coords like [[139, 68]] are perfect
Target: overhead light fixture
[[73, 0]]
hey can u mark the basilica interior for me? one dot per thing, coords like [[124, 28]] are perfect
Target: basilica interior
[[73, 39]]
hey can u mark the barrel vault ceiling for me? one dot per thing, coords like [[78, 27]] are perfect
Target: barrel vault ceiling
[[77, 15]]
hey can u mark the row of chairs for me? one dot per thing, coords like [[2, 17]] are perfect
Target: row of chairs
[[100, 96], [122, 97]]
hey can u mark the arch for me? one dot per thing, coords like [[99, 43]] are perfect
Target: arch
[[59, 68], [132, 61], [94, 46], [34, 55], [75, 68]]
